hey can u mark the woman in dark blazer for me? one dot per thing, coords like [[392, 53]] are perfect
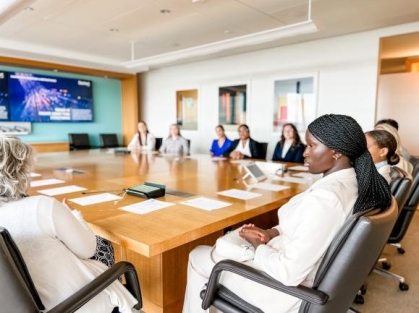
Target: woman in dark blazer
[[244, 147], [289, 148]]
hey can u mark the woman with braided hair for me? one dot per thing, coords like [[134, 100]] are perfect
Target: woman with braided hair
[[292, 251]]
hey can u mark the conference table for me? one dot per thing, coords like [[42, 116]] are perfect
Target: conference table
[[158, 243]]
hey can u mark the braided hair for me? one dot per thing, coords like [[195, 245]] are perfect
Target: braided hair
[[344, 135]]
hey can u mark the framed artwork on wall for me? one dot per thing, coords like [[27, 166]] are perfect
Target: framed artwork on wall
[[232, 106], [187, 109], [294, 102]]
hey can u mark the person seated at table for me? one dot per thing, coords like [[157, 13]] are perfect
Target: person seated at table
[[143, 139], [174, 143], [403, 163], [395, 124], [220, 146], [244, 147], [55, 242], [289, 148], [382, 146], [292, 250]]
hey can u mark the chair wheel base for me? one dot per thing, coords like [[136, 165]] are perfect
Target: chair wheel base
[[403, 286], [386, 265], [401, 250], [363, 290], [359, 299]]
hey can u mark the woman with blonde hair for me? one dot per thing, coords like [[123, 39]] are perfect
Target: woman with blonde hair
[[55, 242], [174, 143]]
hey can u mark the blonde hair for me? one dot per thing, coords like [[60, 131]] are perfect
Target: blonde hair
[[16, 161]]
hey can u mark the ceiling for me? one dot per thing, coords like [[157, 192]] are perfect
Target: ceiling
[[134, 35]]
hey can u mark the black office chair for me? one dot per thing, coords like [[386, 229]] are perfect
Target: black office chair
[[264, 149], [408, 210], [400, 228], [158, 143], [345, 266], [400, 186], [79, 141], [189, 145], [108, 141], [19, 294]]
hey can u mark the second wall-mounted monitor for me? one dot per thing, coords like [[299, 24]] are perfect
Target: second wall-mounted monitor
[[37, 98]]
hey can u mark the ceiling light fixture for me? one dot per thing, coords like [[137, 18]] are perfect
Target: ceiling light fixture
[[291, 30]]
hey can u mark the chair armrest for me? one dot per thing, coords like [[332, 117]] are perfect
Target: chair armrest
[[301, 292], [81, 297]]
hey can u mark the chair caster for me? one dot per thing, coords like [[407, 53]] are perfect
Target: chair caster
[[363, 290], [386, 265], [359, 299], [403, 286], [401, 250]]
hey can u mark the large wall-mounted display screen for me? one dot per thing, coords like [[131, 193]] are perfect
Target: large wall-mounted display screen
[[4, 97], [37, 98]]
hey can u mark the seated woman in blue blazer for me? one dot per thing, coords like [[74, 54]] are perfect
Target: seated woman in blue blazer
[[220, 146], [244, 147], [289, 148]]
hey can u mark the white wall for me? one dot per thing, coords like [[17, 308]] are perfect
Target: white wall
[[398, 98], [346, 69]]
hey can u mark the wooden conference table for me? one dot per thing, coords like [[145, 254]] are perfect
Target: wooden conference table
[[158, 243]]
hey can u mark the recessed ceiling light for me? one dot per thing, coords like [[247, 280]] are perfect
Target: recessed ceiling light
[[165, 11]]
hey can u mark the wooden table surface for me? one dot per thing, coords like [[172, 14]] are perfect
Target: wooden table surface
[[158, 243]]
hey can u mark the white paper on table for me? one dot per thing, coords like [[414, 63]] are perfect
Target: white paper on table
[[44, 182], [239, 194], [102, 197], [242, 162], [301, 168], [218, 158], [61, 190], [35, 175], [295, 180], [267, 186], [206, 204], [146, 206]]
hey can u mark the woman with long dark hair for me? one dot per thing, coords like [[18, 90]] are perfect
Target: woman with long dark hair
[[290, 147], [143, 139]]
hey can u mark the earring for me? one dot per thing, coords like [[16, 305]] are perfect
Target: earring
[[335, 157]]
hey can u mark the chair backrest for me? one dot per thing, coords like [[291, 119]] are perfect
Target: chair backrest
[[158, 143], [350, 257], [189, 145], [400, 185], [79, 141], [264, 149], [18, 294], [108, 141], [409, 209]]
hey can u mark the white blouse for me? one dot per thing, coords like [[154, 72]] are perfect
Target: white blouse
[[149, 145], [56, 246]]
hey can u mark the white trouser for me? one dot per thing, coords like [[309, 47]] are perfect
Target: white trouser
[[201, 261]]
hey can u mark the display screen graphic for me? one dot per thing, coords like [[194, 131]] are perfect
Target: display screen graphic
[[37, 98], [4, 97]]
